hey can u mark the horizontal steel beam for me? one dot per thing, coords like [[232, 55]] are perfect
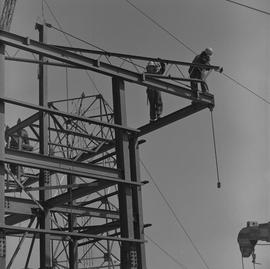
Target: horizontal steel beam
[[87, 211], [168, 119], [32, 61], [21, 206], [15, 219], [135, 57], [65, 166], [95, 229], [99, 199], [75, 59], [68, 115], [64, 234], [76, 194]]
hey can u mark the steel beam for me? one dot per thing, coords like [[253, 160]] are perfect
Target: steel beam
[[77, 193], [168, 119], [87, 211], [123, 164], [2, 153], [64, 166], [95, 229], [25, 123], [45, 256], [15, 219], [67, 115], [137, 201], [100, 229], [21, 206], [135, 57], [64, 234], [62, 55]]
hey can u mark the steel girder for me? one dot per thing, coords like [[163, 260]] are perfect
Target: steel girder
[[61, 165], [168, 119], [126, 176], [22, 206], [66, 56], [67, 115], [65, 235]]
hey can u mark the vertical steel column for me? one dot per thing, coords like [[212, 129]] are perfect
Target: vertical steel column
[[137, 200], [2, 154], [73, 244], [45, 244], [128, 250]]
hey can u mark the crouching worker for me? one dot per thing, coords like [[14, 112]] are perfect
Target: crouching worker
[[196, 72], [154, 95]]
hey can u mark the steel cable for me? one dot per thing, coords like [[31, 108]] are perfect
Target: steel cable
[[175, 216]]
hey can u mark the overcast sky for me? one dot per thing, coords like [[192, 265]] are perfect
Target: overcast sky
[[180, 156]]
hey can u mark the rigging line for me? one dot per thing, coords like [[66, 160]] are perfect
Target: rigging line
[[249, 7], [67, 90], [77, 38], [242, 260], [65, 35], [187, 47], [92, 45], [174, 214], [56, 20], [43, 11], [166, 252], [246, 88], [215, 148], [161, 27]]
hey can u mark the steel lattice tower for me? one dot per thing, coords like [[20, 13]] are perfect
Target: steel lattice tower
[[78, 170]]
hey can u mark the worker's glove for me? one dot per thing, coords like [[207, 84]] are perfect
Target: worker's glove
[[219, 69]]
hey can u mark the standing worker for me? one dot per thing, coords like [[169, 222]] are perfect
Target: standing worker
[[154, 95], [196, 72]]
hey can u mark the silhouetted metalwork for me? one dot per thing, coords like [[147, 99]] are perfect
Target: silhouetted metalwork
[[70, 177]]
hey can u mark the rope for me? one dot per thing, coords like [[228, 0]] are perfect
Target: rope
[[215, 149], [65, 35], [190, 49], [246, 88], [164, 251], [161, 27], [242, 260], [67, 89], [175, 216], [43, 11], [253, 8]]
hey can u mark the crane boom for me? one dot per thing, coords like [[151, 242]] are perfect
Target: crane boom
[[7, 14], [248, 237]]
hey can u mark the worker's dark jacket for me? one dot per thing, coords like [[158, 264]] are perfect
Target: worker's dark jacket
[[196, 72], [155, 99]]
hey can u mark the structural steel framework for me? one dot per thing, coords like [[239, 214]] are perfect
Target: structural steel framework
[[77, 172]]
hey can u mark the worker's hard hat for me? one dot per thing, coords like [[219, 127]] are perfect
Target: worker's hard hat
[[151, 63], [209, 51]]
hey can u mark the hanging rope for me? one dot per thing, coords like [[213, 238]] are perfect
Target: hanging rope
[[67, 90], [215, 149], [43, 11], [242, 260]]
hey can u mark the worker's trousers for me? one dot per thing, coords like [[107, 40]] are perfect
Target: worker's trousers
[[194, 85], [156, 105]]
